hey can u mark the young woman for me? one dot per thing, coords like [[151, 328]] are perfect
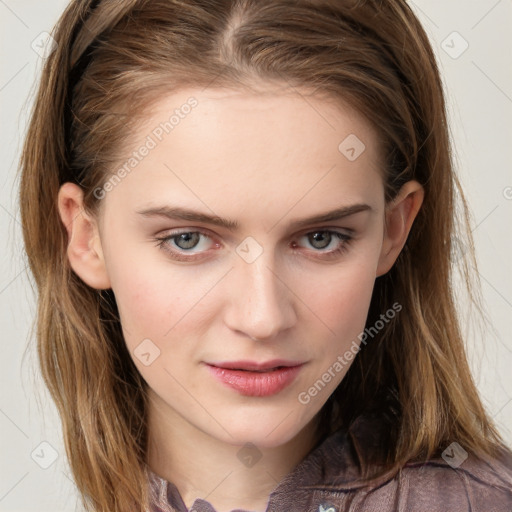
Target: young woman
[[240, 215]]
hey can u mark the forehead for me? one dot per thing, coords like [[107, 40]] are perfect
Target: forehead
[[258, 115], [273, 147]]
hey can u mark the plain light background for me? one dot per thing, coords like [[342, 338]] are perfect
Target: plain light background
[[473, 45]]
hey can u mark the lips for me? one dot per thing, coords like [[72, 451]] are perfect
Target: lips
[[255, 366], [256, 379], [259, 371]]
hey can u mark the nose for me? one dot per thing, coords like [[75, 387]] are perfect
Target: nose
[[261, 304]]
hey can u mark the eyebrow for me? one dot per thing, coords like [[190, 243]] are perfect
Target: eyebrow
[[178, 213]]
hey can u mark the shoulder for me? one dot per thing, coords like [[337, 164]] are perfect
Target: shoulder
[[458, 481], [471, 484]]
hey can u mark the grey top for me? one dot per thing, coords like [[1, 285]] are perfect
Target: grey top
[[325, 481]]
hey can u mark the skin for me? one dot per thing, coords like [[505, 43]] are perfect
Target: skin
[[264, 159]]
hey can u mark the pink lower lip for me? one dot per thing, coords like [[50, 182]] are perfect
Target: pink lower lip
[[256, 383]]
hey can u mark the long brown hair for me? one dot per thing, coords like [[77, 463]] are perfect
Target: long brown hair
[[112, 60]]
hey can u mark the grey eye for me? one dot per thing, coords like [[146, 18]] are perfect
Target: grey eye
[[323, 238], [187, 240]]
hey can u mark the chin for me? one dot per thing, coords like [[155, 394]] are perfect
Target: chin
[[265, 431]]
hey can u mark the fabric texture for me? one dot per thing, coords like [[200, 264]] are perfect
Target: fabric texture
[[326, 481]]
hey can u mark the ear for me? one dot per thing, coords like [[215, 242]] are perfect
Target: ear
[[399, 216], [84, 245]]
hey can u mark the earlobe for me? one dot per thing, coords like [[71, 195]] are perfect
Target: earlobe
[[84, 249], [399, 217]]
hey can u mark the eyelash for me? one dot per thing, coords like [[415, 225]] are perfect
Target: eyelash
[[163, 243]]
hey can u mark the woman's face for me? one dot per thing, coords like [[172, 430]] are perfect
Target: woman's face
[[258, 283]]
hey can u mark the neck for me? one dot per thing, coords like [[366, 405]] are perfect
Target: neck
[[201, 466]]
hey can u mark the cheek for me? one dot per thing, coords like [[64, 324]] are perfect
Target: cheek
[[341, 297], [341, 302], [149, 300], [344, 310], [160, 302]]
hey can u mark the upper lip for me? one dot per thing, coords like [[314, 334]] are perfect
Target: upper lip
[[254, 365]]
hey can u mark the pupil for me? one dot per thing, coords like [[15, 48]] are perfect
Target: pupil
[[188, 239], [318, 235]]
